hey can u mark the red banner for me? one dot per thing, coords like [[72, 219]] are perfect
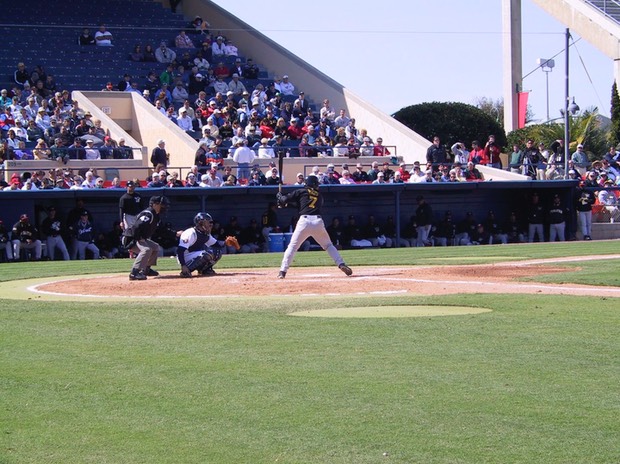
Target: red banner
[[522, 107]]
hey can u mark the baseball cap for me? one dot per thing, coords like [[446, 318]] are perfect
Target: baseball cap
[[131, 183], [580, 146], [84, 213]]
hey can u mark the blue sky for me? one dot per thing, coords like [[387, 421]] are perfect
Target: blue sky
[[418, 51]]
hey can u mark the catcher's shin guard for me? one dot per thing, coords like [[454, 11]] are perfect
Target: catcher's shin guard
[[207, 259]]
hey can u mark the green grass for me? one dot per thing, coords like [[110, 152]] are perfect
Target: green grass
[[238, 381]]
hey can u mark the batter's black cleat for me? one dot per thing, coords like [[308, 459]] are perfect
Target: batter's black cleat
[[281, 274], [346, 269], [151, 272], [137, 274]]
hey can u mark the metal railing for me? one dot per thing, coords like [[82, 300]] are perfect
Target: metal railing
[[610, 8]]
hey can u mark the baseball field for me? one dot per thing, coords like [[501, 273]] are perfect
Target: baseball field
[[490, 354]]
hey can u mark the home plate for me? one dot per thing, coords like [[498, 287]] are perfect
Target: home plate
[[393, 311]]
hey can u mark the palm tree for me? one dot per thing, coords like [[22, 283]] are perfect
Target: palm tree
[[585, 128]]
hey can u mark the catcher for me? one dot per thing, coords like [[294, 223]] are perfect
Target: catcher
[[198, 250], [309, 201]]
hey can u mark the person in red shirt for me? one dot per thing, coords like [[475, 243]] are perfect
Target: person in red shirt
[[380, 150], [477, 154], [294, 131], [404, 174], [221, 70], [492, 151]]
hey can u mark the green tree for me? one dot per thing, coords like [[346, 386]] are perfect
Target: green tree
[[614, 132], [452, 122]]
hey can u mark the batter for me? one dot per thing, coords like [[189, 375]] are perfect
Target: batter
[[308, 200]]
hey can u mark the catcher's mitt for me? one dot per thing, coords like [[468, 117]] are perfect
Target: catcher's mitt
[[232, 241]]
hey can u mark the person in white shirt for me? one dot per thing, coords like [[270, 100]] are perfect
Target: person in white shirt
[[218, 49], [236, 86], [327, 112], [28, 185], [43, 120], [159, 107], [346, 178], [201, 63], [230, 49], [90, 181], [428, 177], [460, 152], [416, 174], [103, 37], [19, 130], [300, 180], [179, 94], [264, 150], [164, 55], [380, 178], [211, 179], [286, 87], [91, 152], [342, 120], [184, 121], [243, 156]]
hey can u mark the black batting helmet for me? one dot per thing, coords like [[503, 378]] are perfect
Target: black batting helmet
[[312, 181]]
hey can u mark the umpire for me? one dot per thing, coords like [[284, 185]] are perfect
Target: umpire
[[138, 238]]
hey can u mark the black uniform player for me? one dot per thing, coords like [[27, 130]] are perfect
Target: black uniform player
[[138, 238], [310, 224], [129, 205], [198, 250]]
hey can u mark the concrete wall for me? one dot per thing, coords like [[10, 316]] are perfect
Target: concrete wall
[[130, 116], [588, 22]]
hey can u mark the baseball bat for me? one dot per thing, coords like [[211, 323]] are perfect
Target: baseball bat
[[280, 164]]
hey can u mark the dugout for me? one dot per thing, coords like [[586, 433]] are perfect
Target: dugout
[[396, 200]]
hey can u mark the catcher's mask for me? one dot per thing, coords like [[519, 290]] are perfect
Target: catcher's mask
[[203, 222]]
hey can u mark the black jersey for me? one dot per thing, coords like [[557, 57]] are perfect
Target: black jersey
[[130, 204], [309, 201], [145, 225]]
